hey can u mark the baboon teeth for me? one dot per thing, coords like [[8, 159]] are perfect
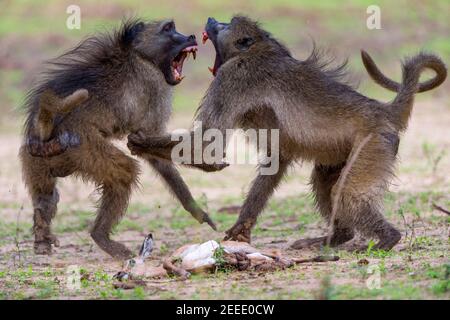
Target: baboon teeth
[[177, 63], [211, 70], [177, 75], [193, 50]]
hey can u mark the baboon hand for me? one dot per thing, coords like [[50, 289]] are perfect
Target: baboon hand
[[241, 231], [137, 143], [208, 220], [201, 216], [212, 167]]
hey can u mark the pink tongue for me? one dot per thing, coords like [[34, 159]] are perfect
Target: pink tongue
[[204, 37]]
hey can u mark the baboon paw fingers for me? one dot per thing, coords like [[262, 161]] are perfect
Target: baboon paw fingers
[[42, 248], [238, 233], [53, 240], [136, 139], [209, 221], [219, 166]]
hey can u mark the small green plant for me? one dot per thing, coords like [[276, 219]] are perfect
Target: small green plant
[[433, 155], [441, 286], [370, 245], [219, 257], [163, 248], [138, 293], [326, 289]]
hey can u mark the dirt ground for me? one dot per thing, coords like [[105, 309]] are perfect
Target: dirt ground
[[416, 268]]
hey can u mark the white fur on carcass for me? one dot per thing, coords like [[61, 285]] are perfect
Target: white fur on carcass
[[200, 257]]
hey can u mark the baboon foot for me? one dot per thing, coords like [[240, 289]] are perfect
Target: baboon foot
[[241, 231], [113, 248], [43, 247], [389, 239]]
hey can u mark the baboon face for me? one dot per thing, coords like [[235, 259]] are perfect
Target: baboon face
[[240, 37], [162, 44]]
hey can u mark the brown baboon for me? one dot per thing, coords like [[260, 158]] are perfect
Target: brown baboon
[[321, 118], [128, 76]]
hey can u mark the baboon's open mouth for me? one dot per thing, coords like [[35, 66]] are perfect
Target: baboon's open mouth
[[177, 63], [218, 60]]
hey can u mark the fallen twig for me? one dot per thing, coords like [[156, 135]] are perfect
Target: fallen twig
[[435, 206], [316, 259], [131, 284], [16, 238]]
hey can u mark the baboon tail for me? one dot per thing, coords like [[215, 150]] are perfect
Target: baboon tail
[[50, 104], [412, 68]]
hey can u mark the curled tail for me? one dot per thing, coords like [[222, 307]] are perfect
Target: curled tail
[[412, 68], [50, 104], [38, 141]]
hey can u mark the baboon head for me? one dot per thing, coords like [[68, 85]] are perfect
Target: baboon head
[[160, 43], [241, 37]]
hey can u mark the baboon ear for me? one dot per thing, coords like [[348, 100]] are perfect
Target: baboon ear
[[131, 33], [245, 43]]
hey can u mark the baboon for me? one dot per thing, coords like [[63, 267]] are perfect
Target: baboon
[[121, 83], [321, 118]]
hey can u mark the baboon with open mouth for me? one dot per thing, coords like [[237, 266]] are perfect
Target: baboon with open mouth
[[258, 84], [107, 87]]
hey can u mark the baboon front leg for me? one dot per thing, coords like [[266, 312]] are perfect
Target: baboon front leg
[[179, 188], [161, 147], [261, 190], [323, 179], [116, 174]]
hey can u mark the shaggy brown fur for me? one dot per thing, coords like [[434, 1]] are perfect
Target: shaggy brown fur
[[321, 119], [129, 76]]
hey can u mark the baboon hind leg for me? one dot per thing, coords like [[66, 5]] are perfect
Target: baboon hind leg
[[115, 174], [42, 188], [323, 179], [361, 200]]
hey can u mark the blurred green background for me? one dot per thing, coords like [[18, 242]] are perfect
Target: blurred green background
[[33, 31]]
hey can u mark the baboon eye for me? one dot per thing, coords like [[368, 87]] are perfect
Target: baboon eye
[[168, 27], [244, 43]]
